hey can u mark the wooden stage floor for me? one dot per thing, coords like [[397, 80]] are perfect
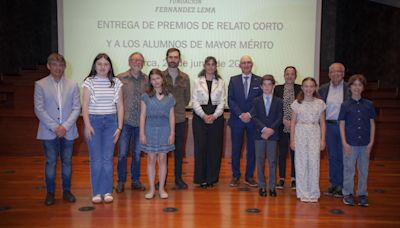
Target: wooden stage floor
[[22, 192]]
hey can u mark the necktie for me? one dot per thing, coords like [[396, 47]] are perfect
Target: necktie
[[267, 104], [245, 85]]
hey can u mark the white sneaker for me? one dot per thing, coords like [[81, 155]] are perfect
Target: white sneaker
[[108, 198], [97, 199]]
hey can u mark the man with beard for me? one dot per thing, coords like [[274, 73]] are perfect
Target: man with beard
[[178, 84]]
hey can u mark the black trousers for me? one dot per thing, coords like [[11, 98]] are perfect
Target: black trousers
[[208, 142], [180, 129], [284, 142]]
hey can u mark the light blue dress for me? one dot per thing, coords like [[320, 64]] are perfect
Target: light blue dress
[[157, 128]]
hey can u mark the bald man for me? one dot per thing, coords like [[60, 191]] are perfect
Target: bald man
[[242, 90], [334, 93]]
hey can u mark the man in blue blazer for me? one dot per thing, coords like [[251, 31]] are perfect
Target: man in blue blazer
[[242, 90], [57, 106], [267, 115], [334, 93]]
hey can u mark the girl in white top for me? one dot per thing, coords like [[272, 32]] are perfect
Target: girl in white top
[[103, 114], [307, 138]]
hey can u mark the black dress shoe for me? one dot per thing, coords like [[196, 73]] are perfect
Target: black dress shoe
[[262, 192], [50, 200], [67, 196], [272, 192], [180, 184], [120, 187]]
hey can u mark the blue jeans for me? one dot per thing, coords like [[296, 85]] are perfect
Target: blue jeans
[[101, 152], [52, 148], [335, 154], [357, 154], [130, 135]]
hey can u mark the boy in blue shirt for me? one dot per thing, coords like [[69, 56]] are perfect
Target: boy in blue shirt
[[267, 114], [357, 130]]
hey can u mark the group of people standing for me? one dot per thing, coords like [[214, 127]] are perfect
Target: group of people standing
[[147, 113]]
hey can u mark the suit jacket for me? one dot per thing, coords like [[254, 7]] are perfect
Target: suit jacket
[[324, 90], [236, 97], [278, 90], [260, 118], [200, 96], [47, 108]]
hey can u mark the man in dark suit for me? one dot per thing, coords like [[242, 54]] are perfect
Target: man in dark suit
[[334, 93], [267, 114], [242, 90]]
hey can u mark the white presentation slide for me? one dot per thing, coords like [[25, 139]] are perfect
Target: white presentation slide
[[275, 33]]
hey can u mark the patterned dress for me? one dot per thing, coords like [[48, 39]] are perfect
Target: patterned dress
[[307, 142], [288, 98], [157, 128]]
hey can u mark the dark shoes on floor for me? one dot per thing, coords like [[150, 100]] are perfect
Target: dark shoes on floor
[[234, 182], [280, 184], [293, 185], [180, 184], [338, 192], [363, 201], [50, 199], [250, 182], [67, 196], [335, 191], [272, 192], [137, 185], [348, 200], [262, 192]]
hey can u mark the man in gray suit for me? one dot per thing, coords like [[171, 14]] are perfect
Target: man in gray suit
[[57, 106]]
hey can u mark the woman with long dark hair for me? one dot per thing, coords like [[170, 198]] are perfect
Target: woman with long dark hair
[[208, 100], [103, 112]]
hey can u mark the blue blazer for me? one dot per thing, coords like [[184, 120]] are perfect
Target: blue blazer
[[236, 97], [47, 108], [324, 90], [273, 120]]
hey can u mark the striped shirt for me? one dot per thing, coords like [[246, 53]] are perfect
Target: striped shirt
[[103, 98]]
